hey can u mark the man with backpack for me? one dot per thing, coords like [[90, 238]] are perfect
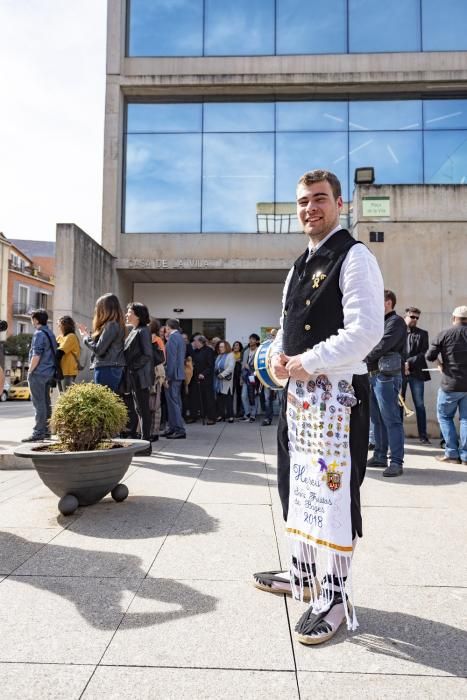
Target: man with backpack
[[41, 374]]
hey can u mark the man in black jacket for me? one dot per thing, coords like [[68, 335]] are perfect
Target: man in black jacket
[[386, 383], [415, 363], [450, 348], [201, 388]]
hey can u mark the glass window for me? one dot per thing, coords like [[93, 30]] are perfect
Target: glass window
[[165, 28], [239, 116], [238, 174], [311, 28], [151, 118], [384, 26], [163, 183], [396, 156], [446, 157], [311, 116], [445, 114], [385, 115], [240, 28], [297, 153], [444, 25]]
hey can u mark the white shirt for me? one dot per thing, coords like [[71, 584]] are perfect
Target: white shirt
[[362, 288]]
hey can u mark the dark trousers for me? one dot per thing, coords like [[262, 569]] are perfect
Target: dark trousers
[[224, 404], [173, 396], [417, 388], [202, 401], [359, 431], [138, 408]]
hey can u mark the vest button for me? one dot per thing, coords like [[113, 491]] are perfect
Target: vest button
[[285, 313], [308, 302], [307, 327]]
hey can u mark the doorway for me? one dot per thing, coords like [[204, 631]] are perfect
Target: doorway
[[210, 327]]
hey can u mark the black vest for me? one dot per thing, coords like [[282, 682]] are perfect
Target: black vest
[[313, 306]]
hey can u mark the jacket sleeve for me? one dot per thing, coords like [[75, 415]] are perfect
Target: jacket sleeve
[[417, 361], [104, 341], [393, 334], [435, 349], [143, 351], [229, 366]]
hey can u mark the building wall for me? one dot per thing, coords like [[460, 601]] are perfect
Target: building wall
[[246, 307], [424, 255], [34, 285], [4, 252]]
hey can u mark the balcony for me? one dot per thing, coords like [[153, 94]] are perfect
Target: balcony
[[29, 270], [21, 309]]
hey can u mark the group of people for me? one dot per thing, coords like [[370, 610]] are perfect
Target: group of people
[[341, 348], [399, 361], [161, 374]]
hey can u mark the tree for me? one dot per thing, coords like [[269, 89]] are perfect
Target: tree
[[18, 345]]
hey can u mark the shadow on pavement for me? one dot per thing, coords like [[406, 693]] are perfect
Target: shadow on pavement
[[410, 638], [99, 600], [421, 477], [237, 471], [141, 517]]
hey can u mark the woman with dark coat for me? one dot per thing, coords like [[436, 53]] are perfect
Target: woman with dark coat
[[139, 375]]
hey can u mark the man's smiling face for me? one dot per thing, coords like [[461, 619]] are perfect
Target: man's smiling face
[[317, 209]]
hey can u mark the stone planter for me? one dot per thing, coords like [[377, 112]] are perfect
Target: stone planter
[[83, 478]]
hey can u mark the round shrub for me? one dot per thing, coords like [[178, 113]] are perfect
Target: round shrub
[[87, 414]]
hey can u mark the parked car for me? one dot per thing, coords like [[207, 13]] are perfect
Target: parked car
[[20, 391], [4, 394]]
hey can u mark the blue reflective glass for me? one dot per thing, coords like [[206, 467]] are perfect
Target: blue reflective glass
[[163, 183], [312, 27], [311, 116], [446, 157], [445, 114], [166, 28], [238, 174], [240, 28], [404, 115], [297, 153], [396, 156], [153, 118], [444, 25], [384, 26], [239, 116]]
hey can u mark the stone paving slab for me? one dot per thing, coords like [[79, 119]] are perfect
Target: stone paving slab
[[62, 619], [203, 624], [403, 630], [215, 556], [217, 487], [51, 681], [378, 686], [115, 683], [19, 544], [230, 520]]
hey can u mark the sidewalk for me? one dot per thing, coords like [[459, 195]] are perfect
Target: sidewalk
[[152, 597]]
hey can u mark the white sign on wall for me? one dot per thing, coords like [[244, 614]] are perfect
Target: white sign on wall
[[376, 207]]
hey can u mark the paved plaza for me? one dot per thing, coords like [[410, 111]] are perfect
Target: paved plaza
[[152, 598]]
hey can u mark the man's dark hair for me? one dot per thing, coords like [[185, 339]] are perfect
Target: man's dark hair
[[413, 310], [313, 176], [141, 311], [41, 316], [255, 337], [173, 324], [390, 296]]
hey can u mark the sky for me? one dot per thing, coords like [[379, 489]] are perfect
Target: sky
[[52, 97]]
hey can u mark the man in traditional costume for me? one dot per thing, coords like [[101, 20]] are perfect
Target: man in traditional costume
[[332, 316]]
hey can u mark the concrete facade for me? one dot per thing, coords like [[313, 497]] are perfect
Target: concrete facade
[[4, 252]]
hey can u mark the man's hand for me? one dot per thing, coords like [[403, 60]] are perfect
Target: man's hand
[[201, 376], [278, 363], [407, 369], [294, 367]]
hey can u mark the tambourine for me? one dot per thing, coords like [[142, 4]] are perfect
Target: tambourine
[[263, 367]]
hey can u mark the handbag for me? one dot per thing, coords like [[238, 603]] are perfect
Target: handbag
[[390, 364]]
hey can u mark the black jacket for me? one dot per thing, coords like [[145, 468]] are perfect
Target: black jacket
[[414, 354], [393, 340], [451, 344], [139, 359], [203, 363]]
